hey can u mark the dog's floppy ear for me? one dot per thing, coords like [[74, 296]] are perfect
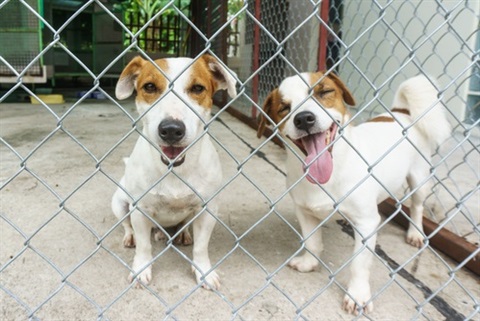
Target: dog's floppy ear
[[347, 95], [267, 108], [126, 82], [224, 77]]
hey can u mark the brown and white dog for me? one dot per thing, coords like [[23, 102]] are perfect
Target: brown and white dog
[[335, 166], [174, 169]]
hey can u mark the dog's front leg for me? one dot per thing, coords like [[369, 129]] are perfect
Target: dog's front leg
[[359, 285], [120, 209], [143, 252], [308, 261], [202, 230]]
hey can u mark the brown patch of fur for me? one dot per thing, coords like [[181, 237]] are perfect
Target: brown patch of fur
[[381, 119], [151, 74], [334, 99], [271, 106], [389, 119], [401, 110], [202, 75]]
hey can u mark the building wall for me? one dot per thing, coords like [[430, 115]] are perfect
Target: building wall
[[411, 36]]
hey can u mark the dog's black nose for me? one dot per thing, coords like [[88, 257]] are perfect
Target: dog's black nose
[[304, 120], [171, 130]]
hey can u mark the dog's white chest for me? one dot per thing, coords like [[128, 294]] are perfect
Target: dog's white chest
[[169, 210]]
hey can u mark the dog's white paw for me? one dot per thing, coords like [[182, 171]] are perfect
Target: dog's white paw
[[361, 294], [143, 278], [304, 263], [210, 282], [414, 237], [129, 240]]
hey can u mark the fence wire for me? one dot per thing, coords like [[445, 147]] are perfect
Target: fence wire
[[62, 256]]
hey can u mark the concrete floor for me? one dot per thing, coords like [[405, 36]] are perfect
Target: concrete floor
[[61, 260]]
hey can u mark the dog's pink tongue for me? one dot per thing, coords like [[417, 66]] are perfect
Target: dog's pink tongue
[[171, 151], [321, 168]]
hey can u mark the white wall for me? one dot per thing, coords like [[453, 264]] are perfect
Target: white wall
[[440, 46]]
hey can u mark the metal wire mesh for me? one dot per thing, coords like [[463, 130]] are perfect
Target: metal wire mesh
[[62, 256]]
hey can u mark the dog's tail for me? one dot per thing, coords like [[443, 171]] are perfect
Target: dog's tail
[[419, 96]]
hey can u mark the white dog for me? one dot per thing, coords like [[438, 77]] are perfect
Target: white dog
[[174, 169], [333, 165]]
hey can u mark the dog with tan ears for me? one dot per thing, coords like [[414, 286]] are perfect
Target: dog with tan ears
[[174, 169], [333, 165]]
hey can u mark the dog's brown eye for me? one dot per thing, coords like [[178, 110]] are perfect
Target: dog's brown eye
[[285, 109], [197, 89], [149, 87], [322, 93]]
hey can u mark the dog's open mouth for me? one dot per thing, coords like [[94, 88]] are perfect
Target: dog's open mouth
[[172, 152], [320, 167]]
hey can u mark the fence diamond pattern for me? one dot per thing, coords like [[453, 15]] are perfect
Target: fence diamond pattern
[[61, 252]]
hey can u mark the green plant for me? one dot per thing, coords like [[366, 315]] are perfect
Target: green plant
[[235, 6], [148, 8], [137, 13]]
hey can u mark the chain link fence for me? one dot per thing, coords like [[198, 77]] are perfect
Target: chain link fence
[[62, 255]]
